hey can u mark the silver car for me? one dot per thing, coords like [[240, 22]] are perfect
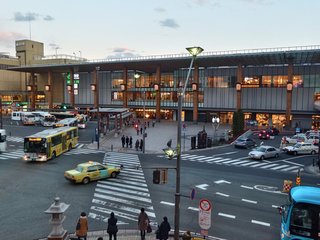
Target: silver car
[[263, 152]]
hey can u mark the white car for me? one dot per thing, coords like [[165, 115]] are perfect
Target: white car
[[263, 152], [301, 148], [296, 138]]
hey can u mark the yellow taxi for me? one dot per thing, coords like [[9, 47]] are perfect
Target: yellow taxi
[[91, 171]]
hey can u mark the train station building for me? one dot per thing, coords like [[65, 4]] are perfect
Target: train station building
[[273, 86]]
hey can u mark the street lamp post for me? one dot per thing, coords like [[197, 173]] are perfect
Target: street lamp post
[[215, 123], [137, 76], [194, 51]]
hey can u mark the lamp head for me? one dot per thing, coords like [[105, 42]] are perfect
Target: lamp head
[[136, 75], [194, 51]]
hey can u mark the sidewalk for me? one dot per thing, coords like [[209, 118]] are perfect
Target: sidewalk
[[158, 136]]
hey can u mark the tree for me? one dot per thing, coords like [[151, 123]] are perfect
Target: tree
[[238, 123]]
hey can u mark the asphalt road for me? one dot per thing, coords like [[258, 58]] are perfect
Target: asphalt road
[[244, 198]]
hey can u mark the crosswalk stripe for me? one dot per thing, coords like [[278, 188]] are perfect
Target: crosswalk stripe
[[270, 165], [249, 163], [124, 195], [279, 167], [231, 161], [239, 162], [259, 164], [290, 168], [221, 160]]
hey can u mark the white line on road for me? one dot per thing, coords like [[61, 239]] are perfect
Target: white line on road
[[248, 201], [275, 206], [222, 194], [247, 187], [260, 223], [226, 215], [301, 165], [167, 203], [193, 208]]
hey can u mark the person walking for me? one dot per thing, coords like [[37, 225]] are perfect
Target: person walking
[[112, 226], [143, 222], [127, 141], [141, 129], [164, 229], [82, 227], [137, 145], [130, 141], [141, 144], [123, 140]]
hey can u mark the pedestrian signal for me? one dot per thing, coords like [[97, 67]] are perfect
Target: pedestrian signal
[[156, 176]]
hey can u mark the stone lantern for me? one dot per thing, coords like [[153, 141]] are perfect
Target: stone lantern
[[57, 209]]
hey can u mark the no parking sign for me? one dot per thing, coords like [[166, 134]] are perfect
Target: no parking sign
[[205, 208]]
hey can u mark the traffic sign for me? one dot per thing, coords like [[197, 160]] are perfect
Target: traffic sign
[[205, 208]]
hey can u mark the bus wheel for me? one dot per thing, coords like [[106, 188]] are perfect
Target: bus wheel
[[113, 174], [86, 180], [53, 155], [70, 147]]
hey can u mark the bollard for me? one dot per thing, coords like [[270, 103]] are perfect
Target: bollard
[[111, 147], [287, 185], [298, 178]]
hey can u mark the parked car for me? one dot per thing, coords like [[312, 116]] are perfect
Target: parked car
[[301, 148], [244, 142], [263, 152], [264, 134], [91, 171], [314, 139]]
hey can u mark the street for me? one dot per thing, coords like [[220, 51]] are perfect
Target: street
[[244, 193]]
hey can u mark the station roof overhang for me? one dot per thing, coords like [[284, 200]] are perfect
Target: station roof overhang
[[169, 63]]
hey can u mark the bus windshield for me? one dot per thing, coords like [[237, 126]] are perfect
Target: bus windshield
[[34, 146]]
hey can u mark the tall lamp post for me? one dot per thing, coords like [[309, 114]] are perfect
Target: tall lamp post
[[137, 76], [194, 51], [215, 123]]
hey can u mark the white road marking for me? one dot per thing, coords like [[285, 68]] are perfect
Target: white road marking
[[167, 203], [275, 206], [247, 187], [248, 201], [194, 209], [222, 194], [250, 163], [260, 223], [271, 165], [222, 181], [289, 168], [221, 160], [227, 215], [202, 186], [239, 162], [301, 165], [281, 166]]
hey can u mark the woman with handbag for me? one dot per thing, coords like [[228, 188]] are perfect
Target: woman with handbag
[[112, 227], [143, 223], [82, 227]]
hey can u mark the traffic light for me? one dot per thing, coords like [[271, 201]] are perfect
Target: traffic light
[[156, 176], [164, 176]]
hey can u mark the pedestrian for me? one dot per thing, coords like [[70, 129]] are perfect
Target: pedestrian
[[130, 141], [143, 222], [148, 123], [137, 145], [123, 140], [112, 227], [164, 229], [153, 123], [141, 130], [138, 131], [186, 235], [127, 141], [82, 226], [141, 144]]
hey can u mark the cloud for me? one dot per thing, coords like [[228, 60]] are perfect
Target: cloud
[[20, 17], [160, 9], [121, 52], [48, 18], [10, 37], [169, 22]]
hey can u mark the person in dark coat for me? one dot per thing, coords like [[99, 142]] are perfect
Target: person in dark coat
[[137, 145], [123, 140], [127, 141], [112, 227], [141, 144], [164, 229], [130, 141]]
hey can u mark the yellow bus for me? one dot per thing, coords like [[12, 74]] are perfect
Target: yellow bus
[[50, 143]]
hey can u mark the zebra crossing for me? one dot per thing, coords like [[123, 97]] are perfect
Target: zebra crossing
[[15, 139], [242, 162], [12, 155], [80, 150], [124, 195]]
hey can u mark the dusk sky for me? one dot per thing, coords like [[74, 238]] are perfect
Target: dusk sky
[[97, 29]]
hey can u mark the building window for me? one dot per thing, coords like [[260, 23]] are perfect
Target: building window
[[280, 81], [266, 81], [251, 82]]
